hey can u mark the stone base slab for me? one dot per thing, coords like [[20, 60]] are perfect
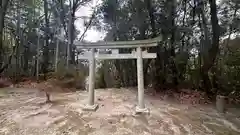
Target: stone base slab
[[142, 110], [90, 107]]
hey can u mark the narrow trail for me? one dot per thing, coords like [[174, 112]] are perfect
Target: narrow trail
[[23, 112]]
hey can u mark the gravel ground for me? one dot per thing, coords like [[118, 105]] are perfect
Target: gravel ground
[[23, 112]]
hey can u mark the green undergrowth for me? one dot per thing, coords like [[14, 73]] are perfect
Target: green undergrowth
[[70, 77]]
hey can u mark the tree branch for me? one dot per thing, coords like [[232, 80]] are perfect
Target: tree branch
[[231, 26]]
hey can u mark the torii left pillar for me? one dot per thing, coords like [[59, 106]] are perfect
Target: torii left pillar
[[141, 105], [90, 106]]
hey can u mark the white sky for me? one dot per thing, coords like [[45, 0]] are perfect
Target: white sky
[[91, 34]]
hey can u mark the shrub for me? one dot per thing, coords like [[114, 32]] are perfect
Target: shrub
[[70, 78], [100, 81]]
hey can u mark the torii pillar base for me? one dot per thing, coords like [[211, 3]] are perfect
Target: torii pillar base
[[139, 110], [92, 108]]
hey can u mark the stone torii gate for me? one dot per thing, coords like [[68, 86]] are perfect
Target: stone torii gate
[[139, 55]]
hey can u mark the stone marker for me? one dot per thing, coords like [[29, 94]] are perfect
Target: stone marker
[[221, 104]]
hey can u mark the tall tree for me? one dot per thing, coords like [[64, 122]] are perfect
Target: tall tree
[[210, 56], [46, 44], [3, 11]]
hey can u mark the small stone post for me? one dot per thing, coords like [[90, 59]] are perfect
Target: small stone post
[[141, 105], [221, 104]]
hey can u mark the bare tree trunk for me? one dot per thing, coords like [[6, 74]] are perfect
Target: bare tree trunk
[[45, 48], [154, 31], [56, 55], [3, 10], [26, 56], [173, 29], [216, 33], [209, 59], [69, 46], [37, 65], [70, 52], [116, 62], [1, 41], [9, 59]]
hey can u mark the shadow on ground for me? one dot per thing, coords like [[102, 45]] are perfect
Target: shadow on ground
[[23, 113]]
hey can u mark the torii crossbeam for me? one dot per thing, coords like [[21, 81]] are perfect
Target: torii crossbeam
[[139, 55]]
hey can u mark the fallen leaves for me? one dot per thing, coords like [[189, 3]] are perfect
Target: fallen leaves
[[193, 97], [48, 86], [4, 82], [183, 96]]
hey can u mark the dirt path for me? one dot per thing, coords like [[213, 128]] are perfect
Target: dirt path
[[24, 113]]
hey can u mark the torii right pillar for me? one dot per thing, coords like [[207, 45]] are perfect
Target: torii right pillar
[[141, 105]]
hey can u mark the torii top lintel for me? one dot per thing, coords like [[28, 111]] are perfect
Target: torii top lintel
[[120, 44]]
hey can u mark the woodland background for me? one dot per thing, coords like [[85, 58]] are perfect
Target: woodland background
[[200, 47]]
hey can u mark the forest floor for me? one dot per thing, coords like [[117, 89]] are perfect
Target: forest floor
[[23, 112]]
